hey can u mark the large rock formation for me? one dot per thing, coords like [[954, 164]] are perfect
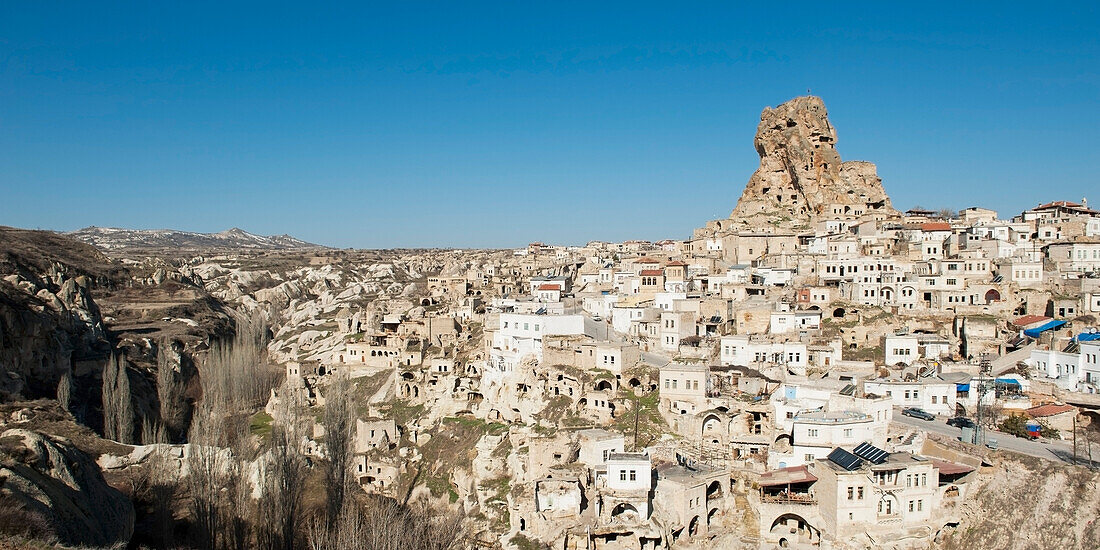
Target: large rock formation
[[60, 488], [801, 177]]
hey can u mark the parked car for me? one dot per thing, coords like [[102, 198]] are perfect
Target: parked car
[[597, 318], [918, 413], [991, 443], [961, 422]]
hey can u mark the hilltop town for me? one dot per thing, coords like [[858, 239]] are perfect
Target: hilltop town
[[817, 370]]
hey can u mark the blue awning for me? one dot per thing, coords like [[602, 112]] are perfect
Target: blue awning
[[1088, 336], [1035, 332], [1007, 381], [962, 387]]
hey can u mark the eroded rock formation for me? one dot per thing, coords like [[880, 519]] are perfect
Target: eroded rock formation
[[55, 483], [801, 177]]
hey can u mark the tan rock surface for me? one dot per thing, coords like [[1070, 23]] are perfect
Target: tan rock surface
[[801, 176]]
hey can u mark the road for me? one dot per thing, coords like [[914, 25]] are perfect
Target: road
[[602, 331], [1052, 450]]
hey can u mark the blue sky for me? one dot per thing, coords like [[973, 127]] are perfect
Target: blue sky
[[499, 124]]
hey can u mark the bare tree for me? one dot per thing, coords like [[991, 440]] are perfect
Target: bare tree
[[161, 482], [233, 381], [65, 390], [338, 426], [118, 406], [152, 431], [169, 389], [205, 464], [110, 386], [283, 489], [125, 404]]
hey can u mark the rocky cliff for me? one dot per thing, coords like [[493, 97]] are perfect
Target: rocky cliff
[[1026, 503], [50, 483], [48, 319], [801, 177]]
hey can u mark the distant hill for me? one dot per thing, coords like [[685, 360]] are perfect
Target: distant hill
[[115, 239]]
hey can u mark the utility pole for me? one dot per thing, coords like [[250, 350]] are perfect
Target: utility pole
[[637, 412], [1075, 440], [985, 370]]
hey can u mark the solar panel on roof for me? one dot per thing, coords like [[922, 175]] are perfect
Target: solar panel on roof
[[845, 460], [870, 453], [998, 278], [848, 390]]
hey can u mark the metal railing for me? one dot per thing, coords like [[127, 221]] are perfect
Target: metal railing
[[790, 498]]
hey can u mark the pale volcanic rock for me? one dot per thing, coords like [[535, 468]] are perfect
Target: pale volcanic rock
[[801, 177]]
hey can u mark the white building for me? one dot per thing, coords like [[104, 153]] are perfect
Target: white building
[[785, 322], [520, 336], [931, 394], [815, 434], [1071, 371]]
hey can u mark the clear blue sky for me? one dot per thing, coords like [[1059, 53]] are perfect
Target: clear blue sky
[[500, 124]]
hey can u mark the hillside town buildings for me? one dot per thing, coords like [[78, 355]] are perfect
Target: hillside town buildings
[[648, 394]]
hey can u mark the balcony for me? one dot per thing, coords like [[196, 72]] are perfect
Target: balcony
[[788, 498], [887, 519]]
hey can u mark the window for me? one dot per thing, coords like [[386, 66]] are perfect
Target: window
[[666, 383], [924, 480], [860, 493], [674, 384], [847, 432], [933, 400], [920, 505], [851, 493], [908, 480], [633, 475], [622, 475], [911, 505]]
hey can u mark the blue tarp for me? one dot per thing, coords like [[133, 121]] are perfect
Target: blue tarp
[[962, 387], [1007, 381], [1088, 336], [1035, 332]]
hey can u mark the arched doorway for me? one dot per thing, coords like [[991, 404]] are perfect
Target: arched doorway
[[793, 527], [992, 296], [693, 526], [624, 508], [711, 424], [714, 490]]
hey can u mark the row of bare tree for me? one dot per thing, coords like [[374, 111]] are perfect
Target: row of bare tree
[[266, 492]]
